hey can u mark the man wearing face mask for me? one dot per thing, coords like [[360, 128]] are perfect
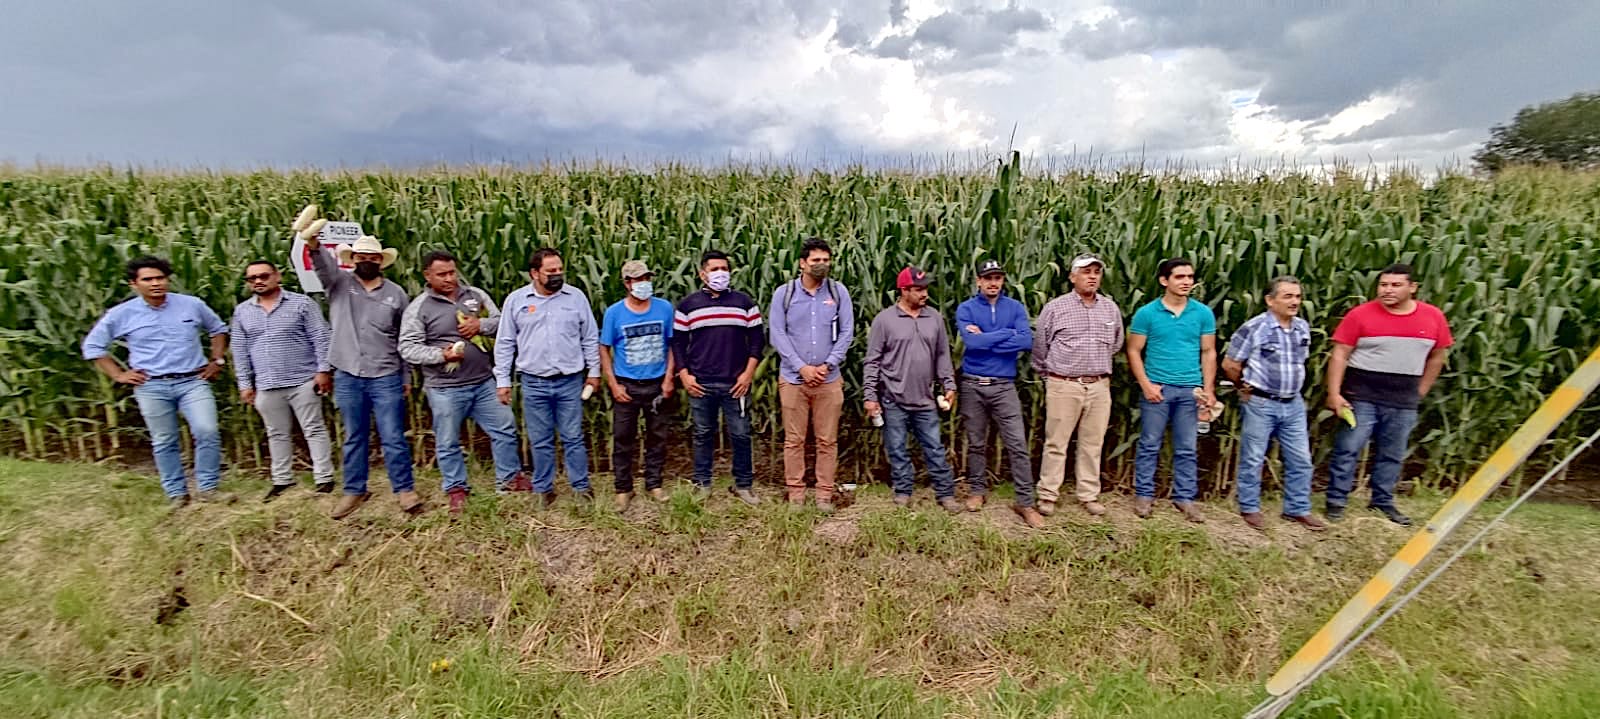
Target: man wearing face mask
[[370, 380], [811, 326], [634, 335], [548, 335], [716, 344]]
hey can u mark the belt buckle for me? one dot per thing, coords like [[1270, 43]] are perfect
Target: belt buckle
[[985, 381]]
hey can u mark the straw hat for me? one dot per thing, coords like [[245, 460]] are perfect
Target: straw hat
[[367, 243]]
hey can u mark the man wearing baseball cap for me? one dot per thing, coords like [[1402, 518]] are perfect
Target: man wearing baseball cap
[[1079, 333], [994, 331], [634, 338], [908, 349]]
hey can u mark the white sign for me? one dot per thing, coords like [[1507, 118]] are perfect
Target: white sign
[[333, 236]]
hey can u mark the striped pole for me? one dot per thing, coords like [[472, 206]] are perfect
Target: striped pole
[[1561, 403]]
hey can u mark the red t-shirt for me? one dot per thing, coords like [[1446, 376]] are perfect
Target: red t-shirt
[[1390, 351]]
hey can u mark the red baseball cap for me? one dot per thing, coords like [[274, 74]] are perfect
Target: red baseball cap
[[912, 277]]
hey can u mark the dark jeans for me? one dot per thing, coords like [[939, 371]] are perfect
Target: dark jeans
[[657, 411], [997, 405], [363, 401], [1389, 430], [924, 424], [719, 399]]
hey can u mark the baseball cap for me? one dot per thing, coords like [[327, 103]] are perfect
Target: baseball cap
[[633, 269], [989, 267], [912, 277], [1086, 259]]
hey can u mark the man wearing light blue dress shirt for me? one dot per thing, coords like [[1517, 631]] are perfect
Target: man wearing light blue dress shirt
[[168, 374], [811, 323]]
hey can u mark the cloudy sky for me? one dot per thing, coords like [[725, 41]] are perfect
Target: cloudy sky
[[237, 84]]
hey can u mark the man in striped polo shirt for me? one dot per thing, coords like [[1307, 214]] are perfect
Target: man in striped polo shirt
[[1387, 353], [280, 355], [1267, 359], [717, 341]]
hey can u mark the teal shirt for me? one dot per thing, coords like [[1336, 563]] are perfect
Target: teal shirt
[[1172, 342]]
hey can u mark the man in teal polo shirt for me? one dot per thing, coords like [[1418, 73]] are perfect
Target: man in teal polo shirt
[[1172, 350]]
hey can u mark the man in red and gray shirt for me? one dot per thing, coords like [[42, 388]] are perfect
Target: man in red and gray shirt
[[1387, 353]]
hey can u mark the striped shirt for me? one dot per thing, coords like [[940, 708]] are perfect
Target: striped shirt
[[1274, 356], [715, 337], [281, 347], [1075, 339]]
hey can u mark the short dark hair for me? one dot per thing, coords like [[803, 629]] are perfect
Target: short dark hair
[[1272, 287], [1167, 266], [1399, 268], [253, 263], [812, 244], [148, 262], [536, 262], [709, 255], [436, 256]]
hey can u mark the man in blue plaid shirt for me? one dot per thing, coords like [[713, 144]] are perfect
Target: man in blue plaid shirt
[[1266, 359]]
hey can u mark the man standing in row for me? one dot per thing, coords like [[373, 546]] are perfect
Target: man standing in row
[[994, 330], [439, 333], [1267, 361], [717, 342], [548, 335], [812, 325], [634, 336], [1172, 351], [1387, 353], [370, 380], [168, 374], [908, 349], [1079, 334], [280, 359]]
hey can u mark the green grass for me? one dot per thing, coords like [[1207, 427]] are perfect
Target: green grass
[[720, 610]]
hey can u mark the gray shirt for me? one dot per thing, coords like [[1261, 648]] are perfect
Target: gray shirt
[[366, 324], [430, 325], [905, 355]]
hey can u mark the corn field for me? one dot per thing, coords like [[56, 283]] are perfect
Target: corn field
[[1512, 262]]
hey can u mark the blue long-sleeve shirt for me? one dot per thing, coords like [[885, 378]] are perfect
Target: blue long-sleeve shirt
[[161, 340], [546, 335], [810, 328], [1004, 335]]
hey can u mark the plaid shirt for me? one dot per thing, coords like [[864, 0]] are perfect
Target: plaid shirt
[[1274, 356], [1074, 339], [281, 348]]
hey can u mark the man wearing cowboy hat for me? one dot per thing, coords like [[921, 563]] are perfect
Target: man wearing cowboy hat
[[370, 380]]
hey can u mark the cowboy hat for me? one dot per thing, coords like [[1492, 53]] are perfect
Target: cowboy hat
[[367, 243]]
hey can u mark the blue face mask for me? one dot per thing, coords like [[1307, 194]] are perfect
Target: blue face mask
[[642, 290]]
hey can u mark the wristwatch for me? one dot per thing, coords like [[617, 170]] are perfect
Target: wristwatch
[[220, 362]]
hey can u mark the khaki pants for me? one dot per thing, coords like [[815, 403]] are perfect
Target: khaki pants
[[814, 411], [1072, 406]]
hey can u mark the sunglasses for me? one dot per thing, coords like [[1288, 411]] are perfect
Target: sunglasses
[[263, 277]]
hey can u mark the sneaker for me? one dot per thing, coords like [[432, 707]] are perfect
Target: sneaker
[[1029, 515], [584, 498], [212, 496], [348, 504], [549, 498], [952, 506], [622, 500], [902, 500], [1255, 520], [1190, 512], [745, 495], [1094, 508], [1047, 507], [275, 490], [796, 499], [1334, 512], [176, 503], [825, 506], [974, 502], [1394, 515], [458, 501], [325, 487], [658, 494], [1308, 521], [702, 492], [410, 502], [1142, 506]]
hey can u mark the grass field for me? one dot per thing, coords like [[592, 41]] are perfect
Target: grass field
[[110, 608]]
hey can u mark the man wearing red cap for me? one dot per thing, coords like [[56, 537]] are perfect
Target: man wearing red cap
[[908, 349]]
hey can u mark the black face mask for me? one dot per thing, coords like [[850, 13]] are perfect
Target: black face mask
[[554, 283], [368, 270]]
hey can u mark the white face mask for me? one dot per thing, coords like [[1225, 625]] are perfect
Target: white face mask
[[642, 290], [718, 280]]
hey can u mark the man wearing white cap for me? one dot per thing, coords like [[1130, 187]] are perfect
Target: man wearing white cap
[[1079, 333], [370, 380]]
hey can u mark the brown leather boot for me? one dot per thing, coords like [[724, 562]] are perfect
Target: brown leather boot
[[1255, 520], [1029, 516], [410, 502], [349, 503], [974, 502], [1142, 506], [1190, 512]]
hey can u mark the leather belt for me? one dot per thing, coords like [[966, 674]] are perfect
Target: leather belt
[[984, 381], [1084, 379], [174, 375]]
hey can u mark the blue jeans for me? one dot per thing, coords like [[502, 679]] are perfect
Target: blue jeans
[[1263, 419], [552, 406], [924, 424], [1177, 409], [718, 398], [361, 400], [451, 406], [161, 401], [1389, 429]]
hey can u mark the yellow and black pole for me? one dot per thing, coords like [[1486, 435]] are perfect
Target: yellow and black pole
[[1557, 407]]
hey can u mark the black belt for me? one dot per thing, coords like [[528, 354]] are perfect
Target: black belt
[[1286, 399], [174, 375], [985, 381]]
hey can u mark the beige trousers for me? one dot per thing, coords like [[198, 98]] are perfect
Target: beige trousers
[[1072, 406]]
